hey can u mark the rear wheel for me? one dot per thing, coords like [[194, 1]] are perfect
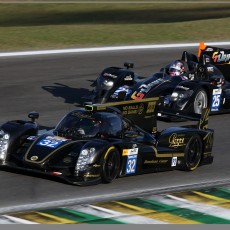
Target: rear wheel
[[201, 101], [110, 165], [193, 153]]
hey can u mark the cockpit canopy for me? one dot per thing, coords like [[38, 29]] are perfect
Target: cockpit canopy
[[82, 124]]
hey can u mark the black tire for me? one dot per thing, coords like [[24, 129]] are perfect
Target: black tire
[[193, 153], [200, 101], [110, 165]]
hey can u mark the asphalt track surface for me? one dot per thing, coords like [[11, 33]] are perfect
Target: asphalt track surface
[[54, 85]]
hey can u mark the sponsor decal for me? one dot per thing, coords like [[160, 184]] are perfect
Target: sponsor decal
[[176, 140], [132, 109], [67, 160], [210, 69], [92, 175], [121, 89], [128, 78], [109, 75], [191, 76], [52, 141], [182, 87], [34, 158], [129, 151], [141, 108], [209, 49], [144, 89], [151, 107], [155, 161], [31, 138], [137, 95], [219, 57]]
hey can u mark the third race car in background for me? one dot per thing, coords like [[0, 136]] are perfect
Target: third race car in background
[[210, 86], [206, 83]]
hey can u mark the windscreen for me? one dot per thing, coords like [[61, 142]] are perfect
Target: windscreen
[[80, 124]]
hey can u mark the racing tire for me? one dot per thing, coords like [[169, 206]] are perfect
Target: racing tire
[[110, 165], [201, 101], [193, 153]]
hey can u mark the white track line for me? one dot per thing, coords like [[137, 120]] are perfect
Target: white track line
[[114, 2], [111, 48]]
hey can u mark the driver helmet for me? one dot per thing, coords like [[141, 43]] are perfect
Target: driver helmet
[[176, 69]]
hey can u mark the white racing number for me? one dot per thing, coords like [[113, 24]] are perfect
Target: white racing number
[[216, 97], [131, 161], [131, 164], [51, 142], [174, 161]]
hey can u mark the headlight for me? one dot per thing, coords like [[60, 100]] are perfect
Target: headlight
[[4, 143], [107, 84], [174, 96], [177, 96], [183, 98], [85, 158]]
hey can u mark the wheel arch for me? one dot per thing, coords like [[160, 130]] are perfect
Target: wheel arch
[[187, 167], [207, 89], [117, 172]]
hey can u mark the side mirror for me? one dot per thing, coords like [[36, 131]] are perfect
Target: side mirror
[[33, 116], [130, 134], [128, 65]]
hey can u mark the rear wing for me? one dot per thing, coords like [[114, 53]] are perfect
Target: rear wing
[[142, 113], [220, 57]]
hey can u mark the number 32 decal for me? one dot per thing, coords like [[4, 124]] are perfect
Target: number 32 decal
[[131, 164], [51, 142]]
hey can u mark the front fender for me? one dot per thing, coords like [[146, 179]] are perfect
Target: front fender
[[184, 94], [18, 130]]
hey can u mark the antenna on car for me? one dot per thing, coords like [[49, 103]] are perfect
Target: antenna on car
[[33, 116], [128, 64]]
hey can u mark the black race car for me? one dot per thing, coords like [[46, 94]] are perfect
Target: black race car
[[205, 83], [121, 83], [210, 84], [101, 142]]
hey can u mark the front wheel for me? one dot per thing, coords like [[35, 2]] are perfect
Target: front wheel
[[201, 101], [110, 165], [193, 153]]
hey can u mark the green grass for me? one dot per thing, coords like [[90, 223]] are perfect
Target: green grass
[[42, 26]]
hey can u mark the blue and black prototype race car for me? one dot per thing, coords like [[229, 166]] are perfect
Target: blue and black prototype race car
[[205, 83], [100, 142], [209, 85]]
